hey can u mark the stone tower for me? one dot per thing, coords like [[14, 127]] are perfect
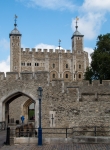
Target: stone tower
[[61, 64], [80, 57], [15, 49]]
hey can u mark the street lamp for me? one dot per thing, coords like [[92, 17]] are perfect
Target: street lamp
[[39, 90]]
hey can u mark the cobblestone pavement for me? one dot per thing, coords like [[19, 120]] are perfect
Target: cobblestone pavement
[[59, 147], [2, 137]]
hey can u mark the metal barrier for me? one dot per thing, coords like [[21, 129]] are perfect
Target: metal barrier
[[33, 132], [91, 131], [58, 132], [2, 125]]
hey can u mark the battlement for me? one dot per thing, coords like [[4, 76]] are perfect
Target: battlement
[[44, 74], [39, 50]]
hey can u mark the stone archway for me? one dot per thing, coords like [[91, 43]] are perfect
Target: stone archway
[[25, 109], [12, 97]]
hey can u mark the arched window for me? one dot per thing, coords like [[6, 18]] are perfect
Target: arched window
[[79, 76], [53, 75], [66, 65], [53, 65], [66, 75], [79, 66]]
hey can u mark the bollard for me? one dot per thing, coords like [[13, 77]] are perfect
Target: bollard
[[8, 136]]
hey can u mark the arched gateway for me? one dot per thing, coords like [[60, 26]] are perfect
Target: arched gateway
[[22, 89]]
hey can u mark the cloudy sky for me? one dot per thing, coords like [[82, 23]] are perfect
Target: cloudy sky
[[43, 22]]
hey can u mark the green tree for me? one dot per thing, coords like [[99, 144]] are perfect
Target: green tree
[[100, 64]]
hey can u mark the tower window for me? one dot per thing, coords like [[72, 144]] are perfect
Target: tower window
[[74, 66], [79, 76], [66, 65], [79, 66], [53, 75], [36, 64], [66, 75], [18, 37], [28, 64], [22, 64], [53, 65]]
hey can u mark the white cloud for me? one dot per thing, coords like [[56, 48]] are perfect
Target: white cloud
[[89, 50], [4, 44], [5, 65], [90, 24], [96, 5], [50, 4], [45, 46]]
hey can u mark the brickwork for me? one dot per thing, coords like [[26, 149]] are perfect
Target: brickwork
[[54, 61], [72, 103]]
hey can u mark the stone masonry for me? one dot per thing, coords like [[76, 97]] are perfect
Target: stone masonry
[[69, 65], [67, 100], [72, 104]]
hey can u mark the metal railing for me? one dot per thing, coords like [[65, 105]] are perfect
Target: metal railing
[[47, 132], [63, 132], [2, 125], [91, 131], [58, 132]]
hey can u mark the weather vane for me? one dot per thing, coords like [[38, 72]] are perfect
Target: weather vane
[[59, 44], [76, 22], [15, 20]]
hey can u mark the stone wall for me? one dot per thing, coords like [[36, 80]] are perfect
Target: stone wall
[[71, 103], [57, 63]]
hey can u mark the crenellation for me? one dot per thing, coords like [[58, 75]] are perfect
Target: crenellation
[[33, 49], [22, 50], [45, 50], [68, 51], [26, 76], [57, 50], [106, 82], [86, 83], [64, 62], [95, 82], [2, 75], [12, 75], [71, 100], [51, 50], [39, 50], [27, 49], [62, 51]]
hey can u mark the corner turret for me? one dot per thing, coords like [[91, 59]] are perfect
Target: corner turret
[[77, 39], [15, 49]]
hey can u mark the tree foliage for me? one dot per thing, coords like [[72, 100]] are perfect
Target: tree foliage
[[100, 64]]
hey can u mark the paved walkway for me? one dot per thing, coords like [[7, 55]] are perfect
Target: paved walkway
[[2, 137], [59, 147]]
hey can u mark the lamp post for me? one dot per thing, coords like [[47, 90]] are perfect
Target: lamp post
[[39, 90]]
